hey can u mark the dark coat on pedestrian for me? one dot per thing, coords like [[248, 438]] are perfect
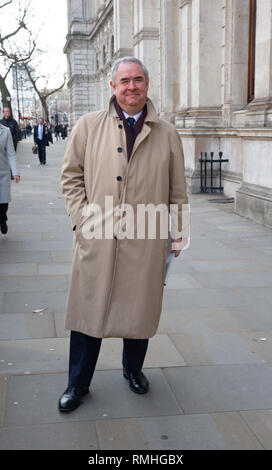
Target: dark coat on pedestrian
[[12, 124]]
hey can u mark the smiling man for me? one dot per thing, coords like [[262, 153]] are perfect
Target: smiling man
[[129, 153]]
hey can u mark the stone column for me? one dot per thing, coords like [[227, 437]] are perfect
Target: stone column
[[203, 82], [235, 67], [80, 60], [185, 64], [169, 59], [261, 107], [201, 24], [122, 21], [146, 16], [254, 198]]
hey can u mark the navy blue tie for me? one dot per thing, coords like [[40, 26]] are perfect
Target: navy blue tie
[[131, 122]]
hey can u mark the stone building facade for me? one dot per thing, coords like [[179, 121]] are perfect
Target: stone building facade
[[210, 64]]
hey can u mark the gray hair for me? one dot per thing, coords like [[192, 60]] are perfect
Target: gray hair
[[116, 64]]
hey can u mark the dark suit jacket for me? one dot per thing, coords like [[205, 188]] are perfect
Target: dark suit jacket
[[36, 134]]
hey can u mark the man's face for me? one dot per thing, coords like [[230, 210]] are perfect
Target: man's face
[[6, 113], [41, 122], [130, 87]]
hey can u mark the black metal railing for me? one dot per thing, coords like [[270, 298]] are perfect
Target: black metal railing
[[203, 172]]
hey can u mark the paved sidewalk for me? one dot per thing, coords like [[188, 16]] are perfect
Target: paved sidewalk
[[209, 365]]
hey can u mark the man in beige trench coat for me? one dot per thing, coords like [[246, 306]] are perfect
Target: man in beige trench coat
[[127, 155]]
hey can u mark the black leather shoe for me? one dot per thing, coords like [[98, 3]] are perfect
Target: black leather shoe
[[138, 383], [4, 227], [70, 399]]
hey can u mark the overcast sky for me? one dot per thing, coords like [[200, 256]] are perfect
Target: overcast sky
[[51, 15], [49, 19]]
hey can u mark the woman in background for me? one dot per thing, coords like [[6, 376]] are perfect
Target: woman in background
[[7, 162]]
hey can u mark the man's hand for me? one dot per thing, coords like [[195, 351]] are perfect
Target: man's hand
[[16, 178], [176, 246]]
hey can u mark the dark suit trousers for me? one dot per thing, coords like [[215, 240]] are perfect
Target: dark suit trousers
[[41, 149], [84, 351], [3, 212]]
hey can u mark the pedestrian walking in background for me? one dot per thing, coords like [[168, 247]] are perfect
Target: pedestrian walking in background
[[28, 130], [12, 124], [129, 153], [57, 131], [63, 131], [41, 139], [8, 162]]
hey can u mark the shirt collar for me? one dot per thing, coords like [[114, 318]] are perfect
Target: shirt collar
[[136, 116]]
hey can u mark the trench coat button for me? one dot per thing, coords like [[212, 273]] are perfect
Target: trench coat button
[[120, 149], [119, 178], [120, 126]]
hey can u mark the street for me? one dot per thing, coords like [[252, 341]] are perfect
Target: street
[[209, 365]]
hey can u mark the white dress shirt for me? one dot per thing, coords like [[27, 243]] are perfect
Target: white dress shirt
[[40, 131], [136, 117]]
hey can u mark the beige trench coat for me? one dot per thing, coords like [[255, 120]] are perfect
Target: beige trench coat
[[117, 284]]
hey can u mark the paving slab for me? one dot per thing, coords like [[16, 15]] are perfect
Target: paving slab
[[56, 436], [207, 297], [3, 394], [121, 434], [62, 256], [33, 283], [256, 296], [181, 281], [54, 268], [37, 245], [27, 326], [260, 422], [25, 257], [34, 355], [209, 347], [235, 387], [227, 265], [215, 431], [194, 320], [18, 269], [27, 302], [235, 279], [26, 393]]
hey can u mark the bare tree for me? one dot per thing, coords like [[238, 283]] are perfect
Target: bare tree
[[5, 4], [15, 54], [7, 50], [44, 92]]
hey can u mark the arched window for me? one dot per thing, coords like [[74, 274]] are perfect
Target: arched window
[[112, 46], [104, 54], [251, 50]]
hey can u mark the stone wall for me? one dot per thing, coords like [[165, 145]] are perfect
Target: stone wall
[[197, 55]]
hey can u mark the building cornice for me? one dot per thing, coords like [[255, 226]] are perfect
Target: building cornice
[[245, 133], [182, 3], [146, 33], [88, 35], [101, 19]]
